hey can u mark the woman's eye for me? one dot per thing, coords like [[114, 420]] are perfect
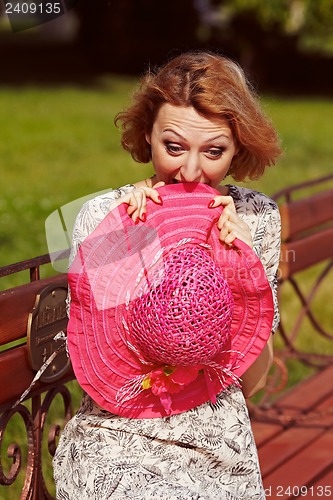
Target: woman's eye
[[173, 148], [215, 152]]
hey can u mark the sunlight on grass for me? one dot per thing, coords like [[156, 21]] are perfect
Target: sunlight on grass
[[58, 144], [305, 128]]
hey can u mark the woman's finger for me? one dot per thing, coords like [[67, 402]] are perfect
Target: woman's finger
[[231, 231], [231, 226], [226, 201], [137, 201]]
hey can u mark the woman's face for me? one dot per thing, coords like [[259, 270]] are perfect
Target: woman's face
[[186, 147]]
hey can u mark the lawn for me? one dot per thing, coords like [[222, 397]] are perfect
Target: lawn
[[56, 145], [59, 144]]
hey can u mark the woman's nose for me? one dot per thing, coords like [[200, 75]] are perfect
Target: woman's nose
[[190, 170]]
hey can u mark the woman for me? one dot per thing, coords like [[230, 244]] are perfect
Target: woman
[[197, 120]]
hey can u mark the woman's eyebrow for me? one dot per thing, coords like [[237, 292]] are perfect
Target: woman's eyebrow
[[173, 132], [210, 139], [224, 136]]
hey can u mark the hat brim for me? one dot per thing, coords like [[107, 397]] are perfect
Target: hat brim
[[103, 278]]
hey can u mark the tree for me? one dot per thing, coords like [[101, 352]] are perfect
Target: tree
[[309, 22], [285, 44]]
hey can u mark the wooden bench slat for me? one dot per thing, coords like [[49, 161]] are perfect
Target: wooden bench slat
[[301, 254], [290, 442], [300, 215], [17, 303], [264, 432], [313, 398], [325, 483], [14, 368], [305, 468], [16, 375], [309, 394], [282, 458], [285, 446], [322, 415]]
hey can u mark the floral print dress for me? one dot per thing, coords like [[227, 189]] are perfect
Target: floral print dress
[[206, 453]]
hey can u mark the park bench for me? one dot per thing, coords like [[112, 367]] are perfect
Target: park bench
[[294, 431], [293, 427]]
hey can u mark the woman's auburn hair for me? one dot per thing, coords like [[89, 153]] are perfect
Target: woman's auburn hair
[[216, 88]]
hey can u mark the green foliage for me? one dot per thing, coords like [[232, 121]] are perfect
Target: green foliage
[[56, 145], [268, 13], [310, 20]]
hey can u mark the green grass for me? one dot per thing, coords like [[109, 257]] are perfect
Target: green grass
[[305, 128], [59, 144], [56, 145]]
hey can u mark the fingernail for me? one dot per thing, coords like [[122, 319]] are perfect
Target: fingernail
[[159, 199], [143, 217], [211, 204], [136, 220]]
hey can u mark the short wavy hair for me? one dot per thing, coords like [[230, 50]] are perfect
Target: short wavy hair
[[216, 87]]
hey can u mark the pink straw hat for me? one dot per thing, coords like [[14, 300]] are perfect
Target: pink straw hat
[[163, 315]]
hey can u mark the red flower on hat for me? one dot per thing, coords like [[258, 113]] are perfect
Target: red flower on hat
[[169, 380]]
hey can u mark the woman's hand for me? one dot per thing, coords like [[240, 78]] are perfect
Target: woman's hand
[[137, 201], [231, 226]]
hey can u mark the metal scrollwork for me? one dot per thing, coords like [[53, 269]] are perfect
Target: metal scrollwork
[[55, 429], [14, 450], [35, 422]]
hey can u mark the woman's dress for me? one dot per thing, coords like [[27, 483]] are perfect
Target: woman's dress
[[206, 453]]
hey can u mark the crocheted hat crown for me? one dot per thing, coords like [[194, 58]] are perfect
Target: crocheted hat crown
[[183, 318]]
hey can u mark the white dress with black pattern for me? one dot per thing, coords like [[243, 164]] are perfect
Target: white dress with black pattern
[[206, 453]]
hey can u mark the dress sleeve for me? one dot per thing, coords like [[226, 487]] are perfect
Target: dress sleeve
[[269, 254], [90, 215]]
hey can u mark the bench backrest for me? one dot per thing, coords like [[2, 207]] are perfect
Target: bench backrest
[[307, 229], [304, 278], [31, 315], [27, 310]]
